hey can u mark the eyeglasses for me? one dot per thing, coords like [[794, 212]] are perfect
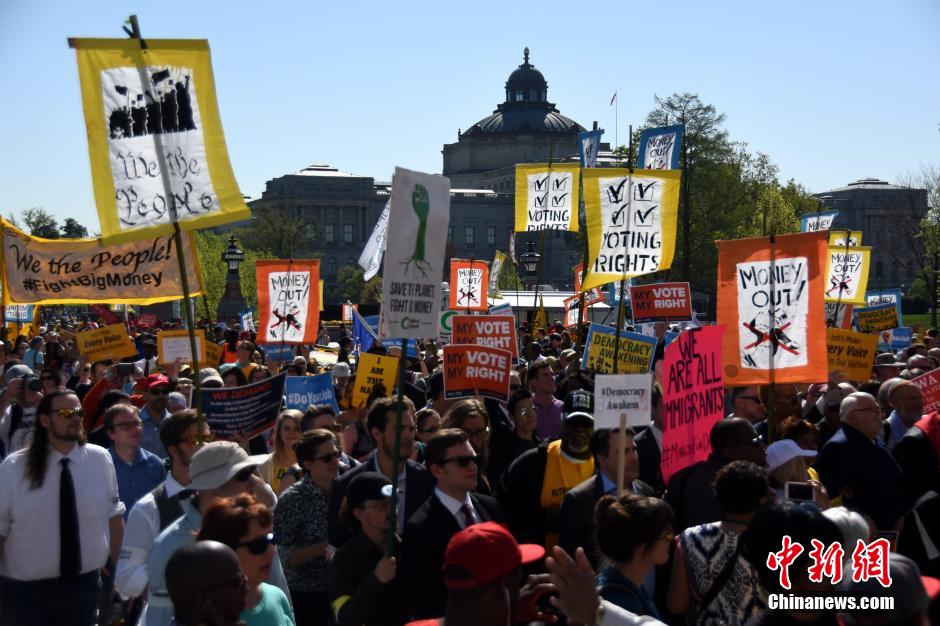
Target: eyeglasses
[[244, 474], [162, 391], [134, 425], [258, 545], [329, 458], [526, 411], [69, 413], [462, 461]]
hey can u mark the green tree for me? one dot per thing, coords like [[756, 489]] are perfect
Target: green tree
[[71, 229], [37, 221], [282, 231], [509, 277], [371, 291], [209, 248], [349, 283], [922, 236]]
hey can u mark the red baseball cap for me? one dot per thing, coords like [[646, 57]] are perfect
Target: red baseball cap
[[155, 380], [482, 553]]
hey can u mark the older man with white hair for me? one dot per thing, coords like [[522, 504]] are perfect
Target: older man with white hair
[[854, 464]]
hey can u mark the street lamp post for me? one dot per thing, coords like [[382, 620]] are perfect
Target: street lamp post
[[530, 263], [232, 302]]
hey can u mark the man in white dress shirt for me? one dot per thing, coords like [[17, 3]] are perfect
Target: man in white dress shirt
[[60, 520]]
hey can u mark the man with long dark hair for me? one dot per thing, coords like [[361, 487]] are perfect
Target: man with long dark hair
[[53, 542]]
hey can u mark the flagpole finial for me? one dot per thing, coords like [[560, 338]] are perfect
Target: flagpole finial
[[525, 55]]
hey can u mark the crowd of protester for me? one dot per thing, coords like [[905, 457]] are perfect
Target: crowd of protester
[[118, 505]]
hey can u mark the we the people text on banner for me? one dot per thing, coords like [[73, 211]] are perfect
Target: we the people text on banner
[[635, 355], [471, 370], [885, 296], [873, 319], [495, 331], [851, 353], [288, 300], [622, 394], [77, 271], [153, 126], [373, 369], [929, 385], [770, 300], [631, 222], [843, 238], [847, 274], [248, 410], [107, 342], [174, 344], [414, 255], [547, 196], [660, 147], [661, 302], [304, 391], [468, 285], [813, 222], [693, 396]]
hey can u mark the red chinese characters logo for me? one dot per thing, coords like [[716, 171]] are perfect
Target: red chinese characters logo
[[869, 561]]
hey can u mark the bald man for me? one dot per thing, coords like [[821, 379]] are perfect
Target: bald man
[[690, 492], [855, 465], [206, 585]]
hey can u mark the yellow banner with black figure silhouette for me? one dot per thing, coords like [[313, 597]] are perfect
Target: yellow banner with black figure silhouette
[[155, 139], [631, 222]]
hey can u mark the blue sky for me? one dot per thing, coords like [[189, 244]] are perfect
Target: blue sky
[[832, 91]]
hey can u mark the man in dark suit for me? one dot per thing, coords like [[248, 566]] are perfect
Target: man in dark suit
[[453, 507], [415, 484], [858, 467], [576, 518], [649, 446]]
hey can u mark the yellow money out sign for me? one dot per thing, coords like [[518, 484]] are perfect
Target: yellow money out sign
[[631, 222], [75, 271]]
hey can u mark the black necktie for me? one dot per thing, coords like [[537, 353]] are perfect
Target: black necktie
[[70, 554], [467, 515]]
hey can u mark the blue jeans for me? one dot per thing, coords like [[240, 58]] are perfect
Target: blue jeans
[[50, 602]]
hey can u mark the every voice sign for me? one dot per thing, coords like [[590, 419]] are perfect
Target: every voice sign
[[471, 370]]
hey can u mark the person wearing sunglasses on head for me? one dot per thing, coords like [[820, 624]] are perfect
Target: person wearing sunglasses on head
[[246, 526], [301, 525], [454, 463], [220, 469], [60, 520]]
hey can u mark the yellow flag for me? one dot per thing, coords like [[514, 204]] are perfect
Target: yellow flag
[[631, 221], [541, 317], [547, 196], [845, 238], [847, 274], [155, 138]]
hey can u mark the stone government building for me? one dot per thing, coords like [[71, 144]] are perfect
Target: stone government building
[[525, 127]]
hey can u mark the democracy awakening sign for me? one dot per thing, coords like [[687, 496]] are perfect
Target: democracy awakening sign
[[873, 319], [693, 396], [248, 410], [304, 391], [547, 197], [627, 395], [634, 356], [631, 222], [76, 271], [155, 139]]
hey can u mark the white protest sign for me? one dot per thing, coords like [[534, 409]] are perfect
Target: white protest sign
[[371, 258], [414, 255], [616, 394]]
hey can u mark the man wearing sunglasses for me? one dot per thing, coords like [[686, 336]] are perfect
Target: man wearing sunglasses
[[747, 403], [455, 467], [220, 469], [157, 390], [60, 520]]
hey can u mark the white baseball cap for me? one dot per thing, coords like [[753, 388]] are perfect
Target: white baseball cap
[[783, 451], [216, 463]]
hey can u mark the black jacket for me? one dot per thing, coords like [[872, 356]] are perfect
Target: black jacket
[[369, 602], [919, 464], [419, 485], [422, 557], [850, 460], [520, 493], [651, 458], [576, 518], [691, 496]]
